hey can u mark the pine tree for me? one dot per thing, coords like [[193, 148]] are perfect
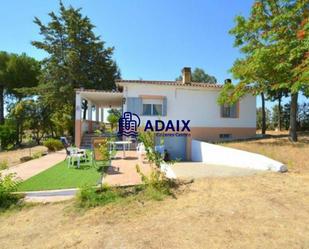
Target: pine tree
[[77, 58]]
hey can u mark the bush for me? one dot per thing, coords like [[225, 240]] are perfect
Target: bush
[[90, 197], [156, 186], [8, 135], [25, 159], [53, 144], [37, 155], [7, 186], [4, 164]]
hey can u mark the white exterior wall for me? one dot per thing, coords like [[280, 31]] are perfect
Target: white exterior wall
[[196, 104], [220, 155]]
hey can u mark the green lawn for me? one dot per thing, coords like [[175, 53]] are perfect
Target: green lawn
[[60, 177]]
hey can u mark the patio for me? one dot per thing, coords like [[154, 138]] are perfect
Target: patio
[[127, 174]]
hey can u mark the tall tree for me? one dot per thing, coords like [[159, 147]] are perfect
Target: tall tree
[[16, 72], [76, 57], [274, 41], [199, 75]]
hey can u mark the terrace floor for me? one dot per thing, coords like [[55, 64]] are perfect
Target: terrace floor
[[123, 170]]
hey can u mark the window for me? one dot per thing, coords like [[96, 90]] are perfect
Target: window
[[157, 109], [147, 109], [229, 111], [152, 109], [225, 136]]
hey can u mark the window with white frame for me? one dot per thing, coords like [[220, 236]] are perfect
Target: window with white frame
[[152, 107]]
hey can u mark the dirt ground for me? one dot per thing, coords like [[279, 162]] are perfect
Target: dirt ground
[[268, 210], [294, 155], [13, 157]]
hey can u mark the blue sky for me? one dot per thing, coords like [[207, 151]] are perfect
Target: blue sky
[[152, 39]]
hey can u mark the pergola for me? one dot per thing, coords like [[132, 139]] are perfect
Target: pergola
[[100, 100]]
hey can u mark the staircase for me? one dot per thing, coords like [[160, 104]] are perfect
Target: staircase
[[87, 140]]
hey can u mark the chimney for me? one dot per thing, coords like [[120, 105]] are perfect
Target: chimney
[[186, 75], [227, 81]]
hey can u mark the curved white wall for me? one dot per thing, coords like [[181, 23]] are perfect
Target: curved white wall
[[220, 155]]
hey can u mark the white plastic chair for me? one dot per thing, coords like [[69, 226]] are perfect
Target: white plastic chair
[[140, 149], [75, 155]]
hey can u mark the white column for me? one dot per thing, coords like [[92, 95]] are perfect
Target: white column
[[78, 123], [78, 108], [97, 113], [102, 114], [89, 110]]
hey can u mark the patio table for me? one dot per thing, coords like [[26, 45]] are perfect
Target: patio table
[[124, 143]]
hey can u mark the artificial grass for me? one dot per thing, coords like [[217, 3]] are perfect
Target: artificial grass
[[62, 177]]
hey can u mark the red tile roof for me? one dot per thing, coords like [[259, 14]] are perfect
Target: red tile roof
[[95, 90], [171, 83]]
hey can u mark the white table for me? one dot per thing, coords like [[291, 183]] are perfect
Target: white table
[[124, 143]]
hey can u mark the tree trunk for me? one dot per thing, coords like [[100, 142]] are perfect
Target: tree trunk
[[293, 117], [85, 109], [279, 114], [1, 104], [263, 114]]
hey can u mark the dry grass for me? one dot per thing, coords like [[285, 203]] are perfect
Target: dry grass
[[269, 210], [13, 157], [294, 155]]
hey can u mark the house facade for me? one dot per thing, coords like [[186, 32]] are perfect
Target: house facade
[[174, 101]]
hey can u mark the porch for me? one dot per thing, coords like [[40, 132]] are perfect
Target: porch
[[123, 170], [91, 114]]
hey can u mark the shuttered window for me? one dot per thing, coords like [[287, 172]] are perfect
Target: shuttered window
[[229, 111]]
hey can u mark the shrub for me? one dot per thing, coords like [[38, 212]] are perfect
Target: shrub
[[7, 186], [25, 159], [8, 134], [53, 144], [37, 155], [4, 164], [90, 197], [156, 186]]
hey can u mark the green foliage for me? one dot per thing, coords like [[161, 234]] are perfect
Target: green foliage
[[303, 116], [8, 134], [4, 164], [199, 75], [60, 118], [25, 159], [113, 120], [156, 186], [148, 139], [37, 155], [103, 148], [88, 197], [269, 124], [53, 144], [21, 72], [76, 58], [17, 72], [7, 186], [274, 43]]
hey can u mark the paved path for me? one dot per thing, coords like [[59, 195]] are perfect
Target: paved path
[[50, 195], [35, 166]]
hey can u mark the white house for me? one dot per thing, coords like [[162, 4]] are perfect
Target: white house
[[172, 100]]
